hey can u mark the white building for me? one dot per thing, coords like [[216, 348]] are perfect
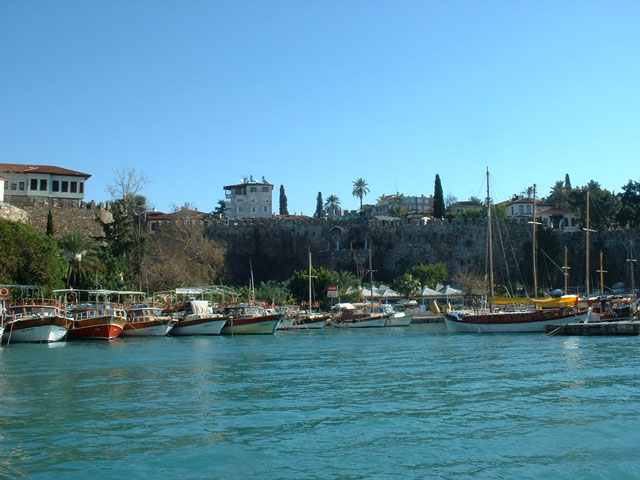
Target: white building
[[33, 183], [3, 181], [385, 204], [249, 199]]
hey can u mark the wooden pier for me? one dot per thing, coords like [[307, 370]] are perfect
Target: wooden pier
[[625, 327]]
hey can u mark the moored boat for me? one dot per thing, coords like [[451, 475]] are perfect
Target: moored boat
[[36, 320], [351, 316], [146, 320], [398, 318], [304, 321], [100, 321], [196, 317], [251, 320]]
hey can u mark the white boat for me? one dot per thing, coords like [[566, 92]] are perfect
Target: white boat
[[251, 320], [197, 318], [304, 321], [144, 320], [36, 320], [398, 318], [349, 315]]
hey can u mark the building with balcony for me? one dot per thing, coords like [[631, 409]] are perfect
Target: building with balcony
[[249, 199]]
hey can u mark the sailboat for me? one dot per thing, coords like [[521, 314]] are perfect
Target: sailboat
[[352, 316], [531, 315], [308, 319]]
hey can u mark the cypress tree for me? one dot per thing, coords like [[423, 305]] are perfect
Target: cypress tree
[[284, 210], [438, 199], [50, 229], [567, 182], [319, 211]]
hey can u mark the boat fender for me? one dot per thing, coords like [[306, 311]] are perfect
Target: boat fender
[[4, 292], [71, 296], [303, 304]]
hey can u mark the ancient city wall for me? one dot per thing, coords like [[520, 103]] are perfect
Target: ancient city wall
[[68, 216]]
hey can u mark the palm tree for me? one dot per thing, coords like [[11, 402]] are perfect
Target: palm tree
[[82, 254], [558, 196], [360, 189], [332, 205]]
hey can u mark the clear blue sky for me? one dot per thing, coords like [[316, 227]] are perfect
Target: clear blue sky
[[314, 94]]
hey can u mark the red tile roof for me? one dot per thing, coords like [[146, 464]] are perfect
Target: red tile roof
[[50, 169]]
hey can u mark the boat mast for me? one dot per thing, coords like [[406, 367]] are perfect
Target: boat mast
[[309, 281], [631, 260], [566, 270], [535, 250], [252, 285], [602, 271], [587, 247], [489, 246], [371, 276]]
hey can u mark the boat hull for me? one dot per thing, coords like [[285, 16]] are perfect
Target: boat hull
[[303, 323], [265, 325], [154, 328], [508, 322], [38, 329], [98, 328], [377, 322], [200, 326], [403, 321]]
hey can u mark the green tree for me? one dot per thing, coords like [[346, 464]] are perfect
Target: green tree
[[221, 208], [604, 206], [272, 292], [319, 210], [82, 256], [348, 286], [284, 209], [298, 285], [28, 257], [567, 182], [332, 205], [407, 285], [360, 189], [629, 214], [438, 199], [398, 207], [558, 197], [50, 229], [430, 275]]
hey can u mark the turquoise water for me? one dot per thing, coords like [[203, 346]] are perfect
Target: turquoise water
[[372, 404]]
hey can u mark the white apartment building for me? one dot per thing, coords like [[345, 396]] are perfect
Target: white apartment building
[[249, 199]]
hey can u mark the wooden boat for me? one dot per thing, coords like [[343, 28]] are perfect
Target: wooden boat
[[196, 317], [145, 320], [99, 321], [349, 315], [36, 320], [304, 321], [251, 320], [523, 314]]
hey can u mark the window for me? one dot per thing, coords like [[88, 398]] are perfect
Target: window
[[239, 191], [253, 209], [253, 200], [34, 184], [74, 187], [6, 185], [43, 185], [265, 189], [13, 186], [65, 186], [21, 185], [264, 209], [81, 185], [253, 189], [239, 200], [521, 208], [240, 209], [55, 186], [528, 208]]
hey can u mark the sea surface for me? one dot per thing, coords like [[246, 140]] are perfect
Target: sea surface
[[405, 403]]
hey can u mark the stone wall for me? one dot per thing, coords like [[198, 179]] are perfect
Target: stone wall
[[13, 214], [276, 248], [68, 216]]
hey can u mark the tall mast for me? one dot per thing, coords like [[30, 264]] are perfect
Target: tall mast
[[631, 260], [566, 271], [602, 271], [489, 246], [535, 252], [309, 281], [371, 276], [587, 247]]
